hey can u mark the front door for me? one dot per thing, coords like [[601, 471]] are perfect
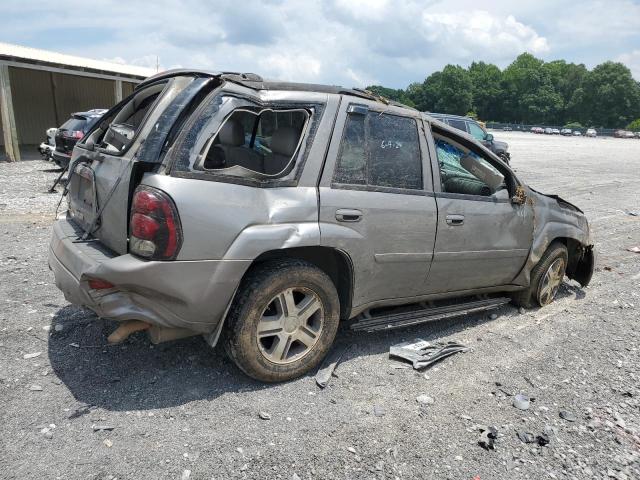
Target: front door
[[483, 238], [376, 202]]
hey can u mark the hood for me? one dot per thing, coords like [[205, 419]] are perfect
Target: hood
[[561, 201], [498, 145]]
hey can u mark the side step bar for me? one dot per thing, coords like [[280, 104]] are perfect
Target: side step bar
[[405, 319]]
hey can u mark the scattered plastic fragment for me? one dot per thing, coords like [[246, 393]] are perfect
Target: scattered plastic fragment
[[543, 439], [423, 354], [26, 356], [521, 402], [634, 249], [568, 416], [488, 436], [379, 410], [98, 428], [264, 416], [326, 371], [526, 437]]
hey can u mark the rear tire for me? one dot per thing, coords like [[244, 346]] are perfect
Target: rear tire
[[546, 278], [283, 320]]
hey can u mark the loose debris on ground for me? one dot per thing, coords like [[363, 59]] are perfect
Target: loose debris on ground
[[423, 354]]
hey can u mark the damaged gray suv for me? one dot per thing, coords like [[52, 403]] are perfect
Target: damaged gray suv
[[260, 214]]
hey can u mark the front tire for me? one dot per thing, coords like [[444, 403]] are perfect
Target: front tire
[[546, 278], [283, 320]]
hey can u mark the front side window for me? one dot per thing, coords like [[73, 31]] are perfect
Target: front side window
[[477, 132], [464, 171], [380, 150], [255, 142]]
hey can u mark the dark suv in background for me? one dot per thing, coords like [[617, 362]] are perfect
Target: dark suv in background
[[473, 128], [71, 131]]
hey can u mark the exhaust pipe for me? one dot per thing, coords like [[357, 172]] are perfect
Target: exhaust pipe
[[125, 329]]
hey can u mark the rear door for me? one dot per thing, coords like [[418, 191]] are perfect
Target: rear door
[[106, 161], [376, 202]]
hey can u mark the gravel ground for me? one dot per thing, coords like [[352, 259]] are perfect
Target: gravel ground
[[81, 409]]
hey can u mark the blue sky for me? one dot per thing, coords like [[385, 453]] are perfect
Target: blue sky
[[347, 42]]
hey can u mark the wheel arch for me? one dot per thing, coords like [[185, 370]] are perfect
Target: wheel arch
[[334, 262], [579, 249], [581, 261]]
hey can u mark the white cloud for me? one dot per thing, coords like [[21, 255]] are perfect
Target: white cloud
[[391, 42], [470, 34], [631, 60]]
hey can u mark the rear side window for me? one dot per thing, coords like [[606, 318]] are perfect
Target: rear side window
[[380, 150], [459, 124], [253, 141]]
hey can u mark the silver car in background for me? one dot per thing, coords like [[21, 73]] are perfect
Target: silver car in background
[[260, 214]]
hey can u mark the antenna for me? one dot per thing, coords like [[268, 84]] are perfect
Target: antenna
[[157, 64]]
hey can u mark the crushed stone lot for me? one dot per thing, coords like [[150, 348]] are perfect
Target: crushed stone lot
[[72, 407]]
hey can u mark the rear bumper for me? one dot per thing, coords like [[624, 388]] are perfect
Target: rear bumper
[[176, 294]]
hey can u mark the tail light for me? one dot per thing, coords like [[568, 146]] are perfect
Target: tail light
[[99, 284], [154, 227], [77, 134]]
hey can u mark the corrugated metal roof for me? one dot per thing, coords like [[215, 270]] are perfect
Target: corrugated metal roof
[[32, 55]]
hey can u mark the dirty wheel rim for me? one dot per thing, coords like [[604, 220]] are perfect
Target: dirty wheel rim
[[290, 325], [551, 282]]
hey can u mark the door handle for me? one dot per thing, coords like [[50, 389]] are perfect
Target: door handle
[[348, 215], [455, 220]]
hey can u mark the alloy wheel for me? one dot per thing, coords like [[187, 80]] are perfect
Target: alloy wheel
[[290, 325], [551, 281]]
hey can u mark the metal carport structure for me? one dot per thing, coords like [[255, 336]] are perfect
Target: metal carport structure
[[40, 89]]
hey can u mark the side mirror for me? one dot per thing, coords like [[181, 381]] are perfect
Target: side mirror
[[488, 137], [519, 197]]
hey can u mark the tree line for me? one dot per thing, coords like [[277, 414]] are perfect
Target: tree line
[[529, 91]]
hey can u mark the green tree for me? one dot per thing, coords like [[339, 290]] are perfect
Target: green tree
[[528, 91], [448, 91], [530, 96], [486, 80], [611, 96], [397, 95], [634, 126], [566, 78]]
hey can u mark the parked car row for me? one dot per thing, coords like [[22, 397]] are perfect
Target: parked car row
[[591, 132], [626, 134]]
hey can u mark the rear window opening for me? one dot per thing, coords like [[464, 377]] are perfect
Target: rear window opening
[[255, 143], [129, 119]]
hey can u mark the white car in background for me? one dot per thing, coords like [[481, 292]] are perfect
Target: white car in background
[[47, 147], [577, 133], [591, 132]]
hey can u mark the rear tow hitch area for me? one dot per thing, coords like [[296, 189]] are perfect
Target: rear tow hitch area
[[156, 334]]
